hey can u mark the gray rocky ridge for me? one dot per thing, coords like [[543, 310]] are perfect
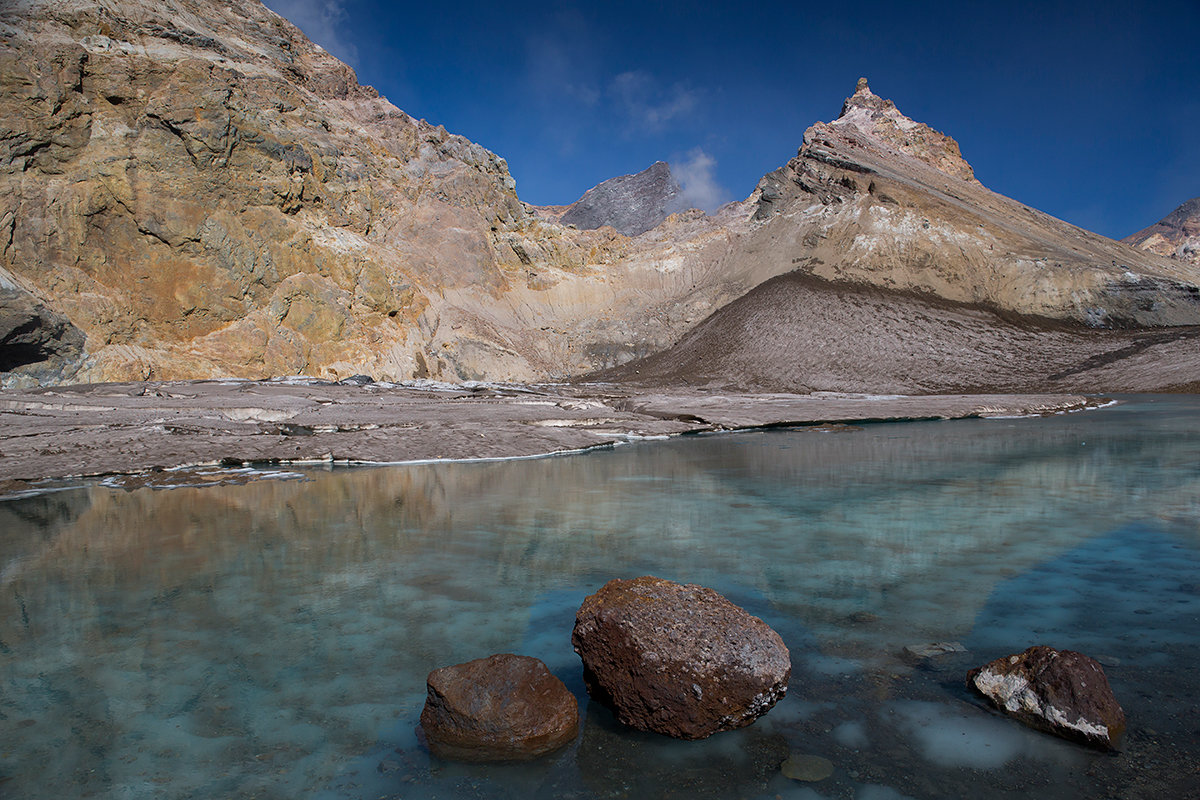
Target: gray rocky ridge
[[633, 204]]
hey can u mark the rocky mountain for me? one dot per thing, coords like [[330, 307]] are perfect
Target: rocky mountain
[[633, 204], [192, 189], [200, 191], [911, 277], [877, 198], [1176, 235]]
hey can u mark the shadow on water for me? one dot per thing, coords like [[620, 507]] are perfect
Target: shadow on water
[[272, 639]]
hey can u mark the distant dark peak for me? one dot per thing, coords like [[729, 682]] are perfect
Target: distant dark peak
[[1186, 212], [632, 204], [1177, 235]]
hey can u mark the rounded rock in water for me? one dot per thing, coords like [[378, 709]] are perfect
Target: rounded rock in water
[[678, 659], [500, 708]]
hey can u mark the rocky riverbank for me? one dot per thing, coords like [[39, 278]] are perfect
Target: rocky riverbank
[[131, 428]]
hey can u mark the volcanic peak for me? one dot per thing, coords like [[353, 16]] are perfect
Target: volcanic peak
[[879, 119]]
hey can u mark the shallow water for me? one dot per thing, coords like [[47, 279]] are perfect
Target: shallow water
[[272, 639]]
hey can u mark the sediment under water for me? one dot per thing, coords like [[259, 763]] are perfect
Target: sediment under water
[[272, 639]]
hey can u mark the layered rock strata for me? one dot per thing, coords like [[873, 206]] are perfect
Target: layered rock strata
[[875, 198]]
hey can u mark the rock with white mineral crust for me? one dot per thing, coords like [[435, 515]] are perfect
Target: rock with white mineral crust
[[1059, 691]]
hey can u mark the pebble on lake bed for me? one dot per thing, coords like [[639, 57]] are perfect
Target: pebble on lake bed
[[920, 652], [805, 767]]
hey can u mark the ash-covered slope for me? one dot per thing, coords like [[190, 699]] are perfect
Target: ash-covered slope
[[1176, 235], [633, 204], [799, 333]]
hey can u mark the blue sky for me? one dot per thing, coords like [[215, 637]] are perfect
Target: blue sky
[[1088, 111]]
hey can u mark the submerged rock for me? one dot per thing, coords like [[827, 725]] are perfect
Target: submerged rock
[[1058, 691], [923, 652], [810, 768], [678, 659], [500, 708]]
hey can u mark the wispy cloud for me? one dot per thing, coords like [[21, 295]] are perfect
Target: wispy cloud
[[569, 76], [555, 73], [650, 106], [561, 79], [696, 176], [323, 21]]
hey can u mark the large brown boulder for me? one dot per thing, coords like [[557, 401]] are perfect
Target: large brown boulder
[[1058, 691], [678, 659], [500, 708]]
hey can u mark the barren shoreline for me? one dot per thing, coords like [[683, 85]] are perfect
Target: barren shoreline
[[130, 428]]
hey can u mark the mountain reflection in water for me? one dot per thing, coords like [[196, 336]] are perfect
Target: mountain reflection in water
[[273, 638]]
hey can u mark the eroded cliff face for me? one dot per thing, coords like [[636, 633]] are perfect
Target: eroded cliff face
[[204, 192], [191, 189]]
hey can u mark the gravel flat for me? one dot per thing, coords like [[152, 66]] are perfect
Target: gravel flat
[[131, 428]]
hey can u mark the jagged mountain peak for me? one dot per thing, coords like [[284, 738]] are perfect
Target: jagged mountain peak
[[632, 204], [1176, 235], [863, 97], [879, 119]]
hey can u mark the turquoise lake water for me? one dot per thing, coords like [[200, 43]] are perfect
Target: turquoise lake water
[[272, 639]]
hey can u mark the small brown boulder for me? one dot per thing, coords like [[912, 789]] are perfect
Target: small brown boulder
[[1058, 691], [678, 659], [500, 708]]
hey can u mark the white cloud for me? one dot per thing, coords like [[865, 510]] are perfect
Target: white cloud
[[649, 106], [322, 21], [695, 173]]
